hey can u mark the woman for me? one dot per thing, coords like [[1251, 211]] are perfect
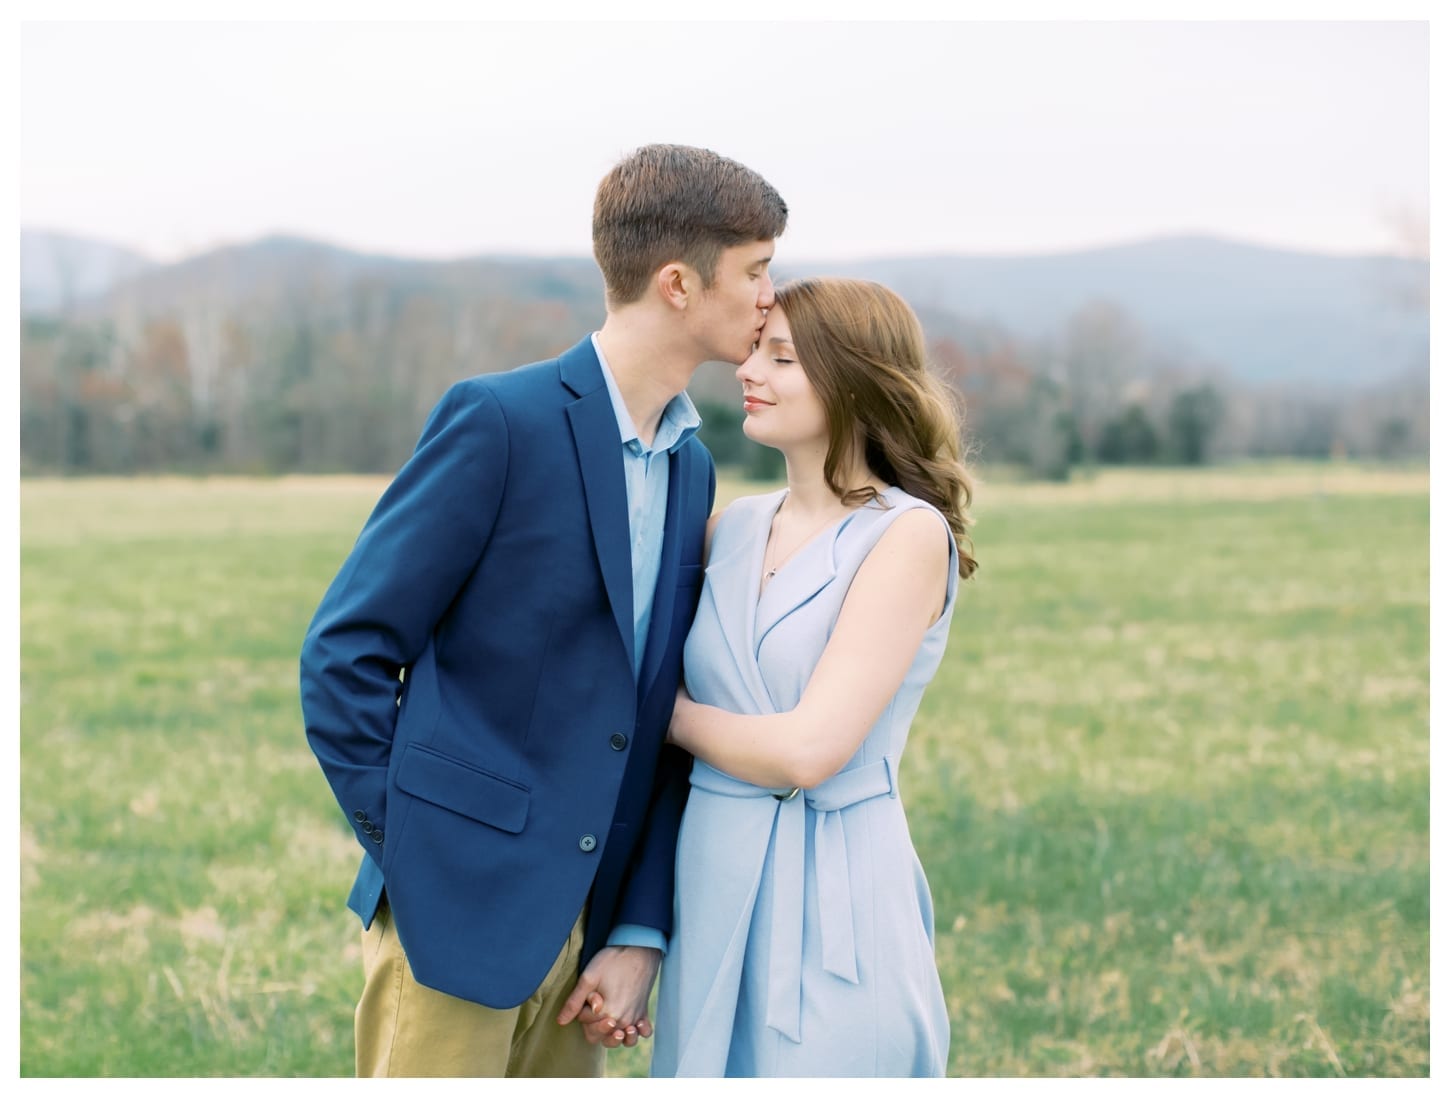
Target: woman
[[803, 923]]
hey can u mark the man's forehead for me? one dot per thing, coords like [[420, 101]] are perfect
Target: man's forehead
[[758, 252]]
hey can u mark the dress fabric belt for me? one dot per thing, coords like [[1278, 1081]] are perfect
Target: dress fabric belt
[[833, 879]]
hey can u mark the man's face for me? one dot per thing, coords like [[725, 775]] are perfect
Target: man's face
[[732, 311]]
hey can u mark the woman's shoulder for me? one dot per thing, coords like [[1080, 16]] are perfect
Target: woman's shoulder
[[742, 509], [759, 499], [910, 520], [892, 503]]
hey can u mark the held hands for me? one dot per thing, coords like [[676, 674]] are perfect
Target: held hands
[[611, 999]]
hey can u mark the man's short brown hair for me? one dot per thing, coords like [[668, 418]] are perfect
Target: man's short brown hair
[[667, 203]]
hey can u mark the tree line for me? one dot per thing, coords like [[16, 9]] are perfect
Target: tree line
[[341, 377]]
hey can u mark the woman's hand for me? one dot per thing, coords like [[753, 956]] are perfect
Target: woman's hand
[[676, 733]]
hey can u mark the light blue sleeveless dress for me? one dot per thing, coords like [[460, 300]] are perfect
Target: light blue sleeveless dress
[[803, 928]]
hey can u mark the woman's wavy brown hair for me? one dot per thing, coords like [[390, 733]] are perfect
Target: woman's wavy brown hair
[[863, 351]]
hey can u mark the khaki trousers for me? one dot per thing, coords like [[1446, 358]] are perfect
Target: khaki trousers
[[404, 1029]]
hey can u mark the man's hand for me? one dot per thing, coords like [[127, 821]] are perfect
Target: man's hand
[[611, 999]]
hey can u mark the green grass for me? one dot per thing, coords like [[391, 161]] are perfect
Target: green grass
[[1171, 786]]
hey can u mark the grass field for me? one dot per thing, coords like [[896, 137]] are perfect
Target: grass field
[[1171, 786]]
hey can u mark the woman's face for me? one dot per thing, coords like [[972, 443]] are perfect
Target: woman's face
[[781, 408]]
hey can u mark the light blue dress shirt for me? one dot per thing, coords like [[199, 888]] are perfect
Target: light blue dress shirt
[[646, 489]]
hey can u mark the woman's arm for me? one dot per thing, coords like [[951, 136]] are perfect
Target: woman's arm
[[896, 595]]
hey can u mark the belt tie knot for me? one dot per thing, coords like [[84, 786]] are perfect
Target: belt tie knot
[[833, 879]]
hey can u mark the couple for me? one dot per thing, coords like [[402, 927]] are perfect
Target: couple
[[492, 683]]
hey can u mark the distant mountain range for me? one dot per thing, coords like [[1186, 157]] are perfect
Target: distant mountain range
[[1260, 315], [57, 269]]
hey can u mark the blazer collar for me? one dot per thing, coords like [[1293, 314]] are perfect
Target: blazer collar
[[579, 368]]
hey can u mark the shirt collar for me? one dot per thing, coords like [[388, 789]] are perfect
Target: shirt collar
[[678, 422]]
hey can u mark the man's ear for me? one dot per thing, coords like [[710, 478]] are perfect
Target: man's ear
[[677, 284]]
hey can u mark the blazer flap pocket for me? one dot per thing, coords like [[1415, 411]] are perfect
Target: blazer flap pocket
[[464, 789]]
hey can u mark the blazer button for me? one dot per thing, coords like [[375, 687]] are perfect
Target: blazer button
[[359, 815], [587, 843], [619, 741], [378, 837], [367, 827]]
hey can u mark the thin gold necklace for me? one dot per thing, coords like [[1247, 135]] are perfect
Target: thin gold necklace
[[776, 562]]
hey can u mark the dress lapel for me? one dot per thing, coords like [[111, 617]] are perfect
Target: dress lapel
[[735, 571], [798, 581], [803, 576]]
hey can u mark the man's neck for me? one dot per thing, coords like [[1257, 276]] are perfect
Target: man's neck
[[648, 372]]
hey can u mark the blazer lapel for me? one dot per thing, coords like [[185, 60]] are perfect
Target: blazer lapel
[[662, 613], [601, 465]]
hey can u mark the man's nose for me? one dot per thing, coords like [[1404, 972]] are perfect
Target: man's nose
[[767, 293]]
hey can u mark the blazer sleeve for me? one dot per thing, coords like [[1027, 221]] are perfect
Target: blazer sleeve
[[648, 894], [415, 552]]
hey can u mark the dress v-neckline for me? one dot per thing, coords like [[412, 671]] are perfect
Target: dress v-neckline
[[769, 606], [762, 581]]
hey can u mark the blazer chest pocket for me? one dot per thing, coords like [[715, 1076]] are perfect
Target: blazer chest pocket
[[464, 789]]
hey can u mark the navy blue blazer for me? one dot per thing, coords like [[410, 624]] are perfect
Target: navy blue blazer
[[468, 684]]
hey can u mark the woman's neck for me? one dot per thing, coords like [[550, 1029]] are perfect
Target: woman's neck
[[808, 492]]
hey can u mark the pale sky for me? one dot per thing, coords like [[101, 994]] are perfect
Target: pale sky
[[886, 138]]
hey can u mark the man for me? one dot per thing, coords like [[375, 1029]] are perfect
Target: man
[[488, 680]]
